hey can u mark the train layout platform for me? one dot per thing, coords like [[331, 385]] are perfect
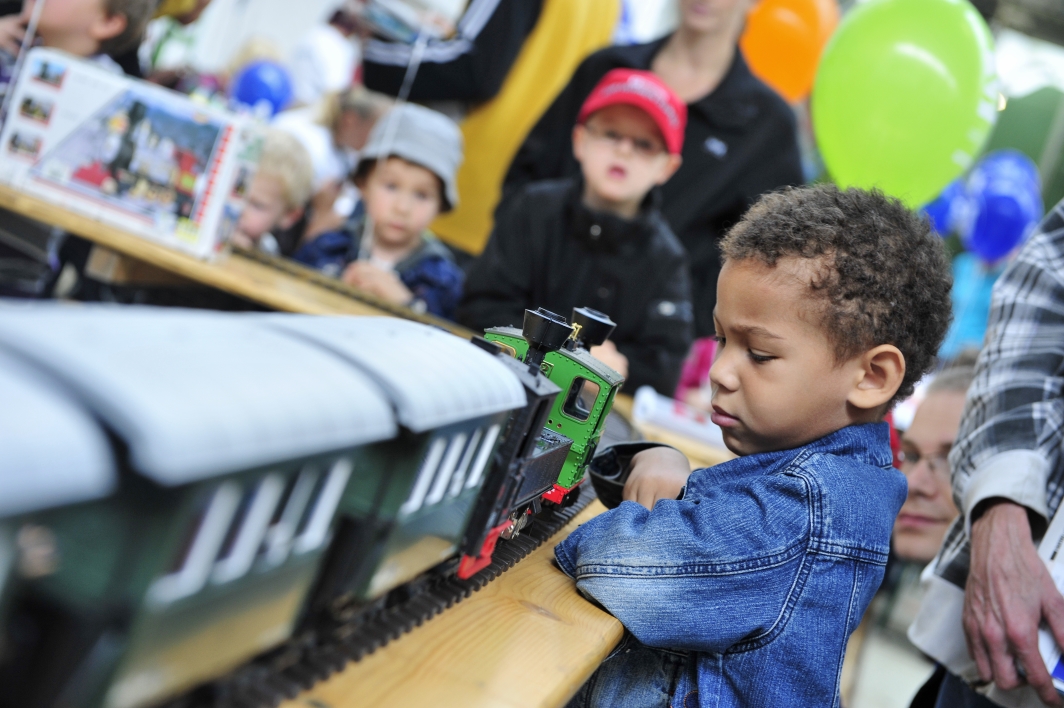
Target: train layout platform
[[526, 639]]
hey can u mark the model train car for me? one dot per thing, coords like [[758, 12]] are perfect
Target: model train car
[[251, 472]]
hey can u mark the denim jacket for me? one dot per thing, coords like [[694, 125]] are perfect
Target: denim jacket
[[761, 570]]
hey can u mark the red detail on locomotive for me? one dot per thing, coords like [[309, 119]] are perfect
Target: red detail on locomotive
[[470, 566], [558, 493]]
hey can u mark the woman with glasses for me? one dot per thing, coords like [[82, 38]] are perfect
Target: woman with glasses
[[929, 509]]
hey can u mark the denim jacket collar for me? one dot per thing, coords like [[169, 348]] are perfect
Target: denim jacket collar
[[867, 442]]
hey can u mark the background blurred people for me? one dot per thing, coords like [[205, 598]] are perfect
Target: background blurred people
[[277, 195], [333, 131], [407, 176], [326, 58], [740, 141]]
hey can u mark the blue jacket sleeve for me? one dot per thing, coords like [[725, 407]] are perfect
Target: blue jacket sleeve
[[438, 283], [328, 251], [697, 574]]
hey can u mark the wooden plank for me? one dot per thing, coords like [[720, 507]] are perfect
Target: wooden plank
[[699, 453], [285, 287], [526, 640], [115, 268]]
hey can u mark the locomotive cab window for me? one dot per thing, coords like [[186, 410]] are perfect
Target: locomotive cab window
[[581, 399]]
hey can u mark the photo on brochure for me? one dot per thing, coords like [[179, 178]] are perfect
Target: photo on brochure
[[148, 159], [47, 71]]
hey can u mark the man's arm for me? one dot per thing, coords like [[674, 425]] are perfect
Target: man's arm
[[1007, 466], [469, 67]]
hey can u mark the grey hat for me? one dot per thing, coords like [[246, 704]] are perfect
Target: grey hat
[[422, 136]]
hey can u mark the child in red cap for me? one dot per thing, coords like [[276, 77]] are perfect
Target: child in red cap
[[599, 240]]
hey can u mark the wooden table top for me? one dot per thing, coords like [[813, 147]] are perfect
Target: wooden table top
[[275, 283], [528, 639]]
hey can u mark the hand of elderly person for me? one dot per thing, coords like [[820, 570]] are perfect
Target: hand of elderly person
[[657, 473], [1009, 593]]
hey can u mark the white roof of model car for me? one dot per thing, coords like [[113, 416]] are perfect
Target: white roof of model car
[[52, 451], [433, 378], [196, 394]]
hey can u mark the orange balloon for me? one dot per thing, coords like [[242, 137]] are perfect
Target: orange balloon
[[783, 41]]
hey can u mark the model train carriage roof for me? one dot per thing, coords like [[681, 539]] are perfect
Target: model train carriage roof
[[196, 394], [52, 452], [433, 378]]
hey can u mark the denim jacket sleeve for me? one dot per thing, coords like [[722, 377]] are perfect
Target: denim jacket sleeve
[[701, 574]]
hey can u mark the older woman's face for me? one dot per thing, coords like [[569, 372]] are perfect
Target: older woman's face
[[929, 509], [714, 16]]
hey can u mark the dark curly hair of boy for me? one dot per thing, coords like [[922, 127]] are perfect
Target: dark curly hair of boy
[[881, 272]]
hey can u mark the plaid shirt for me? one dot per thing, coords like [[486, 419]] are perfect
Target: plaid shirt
[[1009, 443]]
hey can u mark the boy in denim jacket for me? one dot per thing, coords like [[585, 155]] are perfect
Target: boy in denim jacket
[[740, 584]]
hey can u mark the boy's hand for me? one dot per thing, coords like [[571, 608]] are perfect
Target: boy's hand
[[239, 238], [657, 473], [385, 284], [607, 353], [12, 32]]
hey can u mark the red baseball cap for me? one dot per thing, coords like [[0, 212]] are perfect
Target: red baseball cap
[[646, 91]]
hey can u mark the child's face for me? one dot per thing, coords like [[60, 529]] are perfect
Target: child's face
[[265, 208], [776, 384], [76, 26], [402, 199], [622, 155]]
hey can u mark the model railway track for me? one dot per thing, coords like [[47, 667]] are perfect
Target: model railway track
[[315, 656]]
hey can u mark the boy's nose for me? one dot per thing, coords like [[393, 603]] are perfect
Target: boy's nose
[[722, 373]]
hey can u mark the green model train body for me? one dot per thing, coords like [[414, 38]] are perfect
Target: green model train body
[[588, 389]]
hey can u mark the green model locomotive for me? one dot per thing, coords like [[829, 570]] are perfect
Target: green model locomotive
[[588, 385]]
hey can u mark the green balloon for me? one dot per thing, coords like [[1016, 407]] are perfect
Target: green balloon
[[905, 96]]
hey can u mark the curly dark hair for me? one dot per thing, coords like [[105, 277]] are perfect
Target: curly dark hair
[[882, 272]]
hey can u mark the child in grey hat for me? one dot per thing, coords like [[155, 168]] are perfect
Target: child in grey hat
[[406, 173]]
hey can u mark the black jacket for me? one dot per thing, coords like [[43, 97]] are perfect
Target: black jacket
[[471, 66], [549, 250], [741, 142]]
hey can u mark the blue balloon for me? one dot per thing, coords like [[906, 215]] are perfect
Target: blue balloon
[[263, 83], [945, 212], [1006, 194]]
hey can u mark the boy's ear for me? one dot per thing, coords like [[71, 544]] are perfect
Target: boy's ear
[[880, 373], [670, 169], [290, 217], [108, 26]]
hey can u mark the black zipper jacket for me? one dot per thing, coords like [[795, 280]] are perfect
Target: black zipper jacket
[[741, 141], [549, 250]]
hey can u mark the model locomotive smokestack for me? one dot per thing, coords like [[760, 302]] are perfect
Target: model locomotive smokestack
[[593, 327], [545, 332]]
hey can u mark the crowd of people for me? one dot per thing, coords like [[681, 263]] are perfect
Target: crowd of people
[[662, 186], [616, 200]]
